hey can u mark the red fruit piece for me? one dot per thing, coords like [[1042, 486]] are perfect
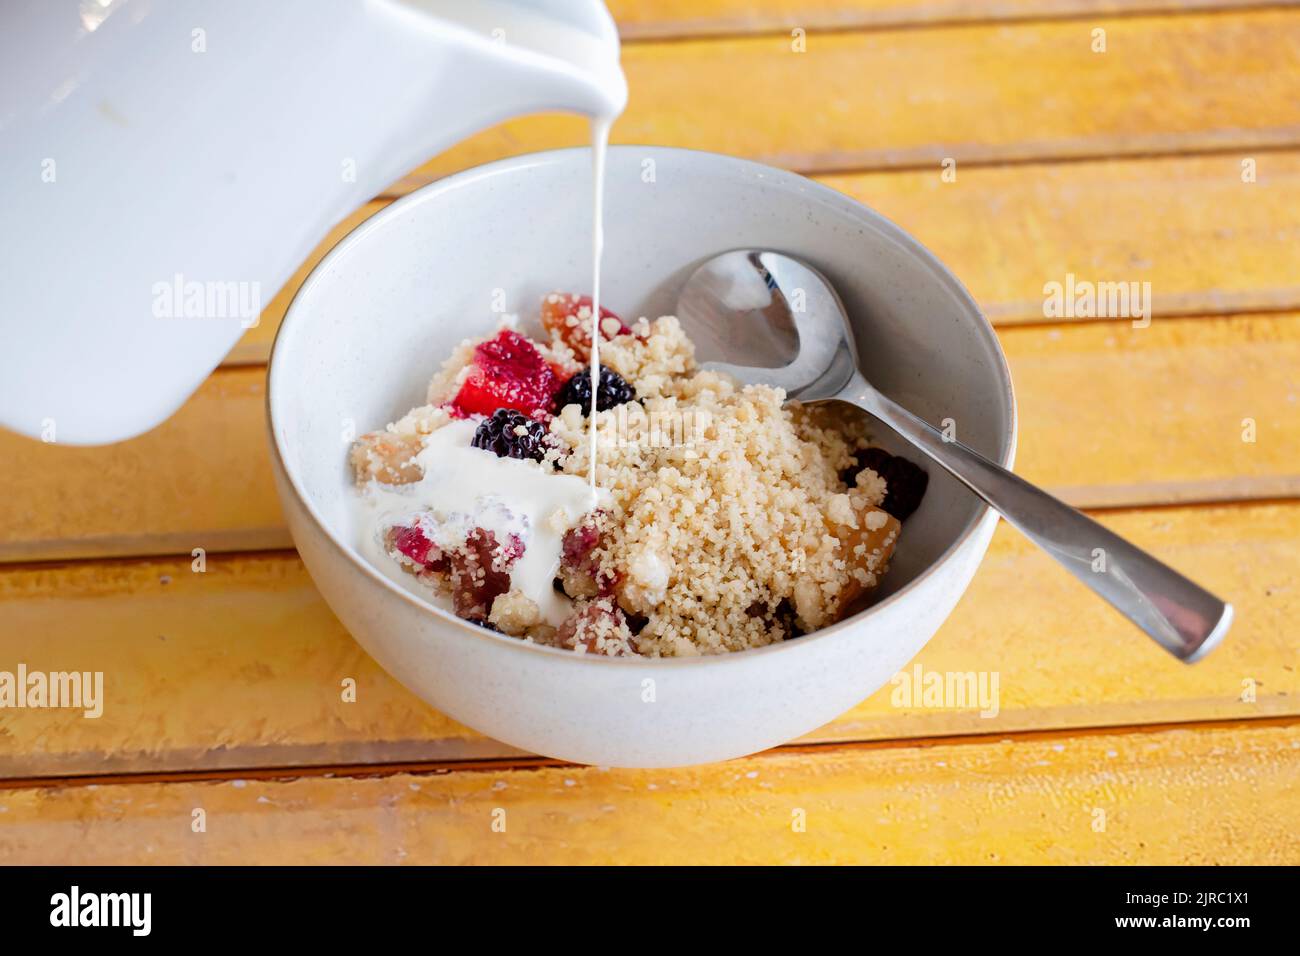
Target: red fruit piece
[[415, 544], [578, 543], [480, 572], [568, 316], [508, 372], [581, 575], [599, 627], [411, 542]]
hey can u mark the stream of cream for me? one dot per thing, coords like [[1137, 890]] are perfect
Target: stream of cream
[[599, 147]]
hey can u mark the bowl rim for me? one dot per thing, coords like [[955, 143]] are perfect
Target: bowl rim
[[430, 192]]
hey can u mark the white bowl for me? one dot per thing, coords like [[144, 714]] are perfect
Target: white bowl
[[383, 309]]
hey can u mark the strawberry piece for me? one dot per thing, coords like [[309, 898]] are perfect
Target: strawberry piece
[[579, 542], [480, 572], [508, 372], [568, 317], [580, 573], [411, 541], [598, 627]]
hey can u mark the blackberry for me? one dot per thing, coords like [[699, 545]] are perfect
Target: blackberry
[[785, 616], [905, 482], [614, 391], [501, 434]]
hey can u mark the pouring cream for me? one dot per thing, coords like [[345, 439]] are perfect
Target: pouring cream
[[462, 487], [599, 147]]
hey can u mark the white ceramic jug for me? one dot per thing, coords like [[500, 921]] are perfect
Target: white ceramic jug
[[165, 165]]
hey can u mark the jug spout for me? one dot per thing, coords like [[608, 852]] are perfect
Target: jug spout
[[567, 49], [167, 166], [496, 59]]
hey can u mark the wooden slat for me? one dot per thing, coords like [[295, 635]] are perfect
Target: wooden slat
[[1206, 795], [1107, 420], [240, 666], [982, 93], [1206, 241], [653, 19], [1111, 414], [200, 480]]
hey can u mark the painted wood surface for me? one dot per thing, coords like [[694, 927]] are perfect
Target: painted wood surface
[[1172, 158], [1201, 795]]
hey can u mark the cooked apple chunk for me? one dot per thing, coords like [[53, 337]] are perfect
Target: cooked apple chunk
[[867, 545], [387, 458]]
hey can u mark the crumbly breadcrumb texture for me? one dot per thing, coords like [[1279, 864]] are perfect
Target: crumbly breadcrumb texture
[[448, 380], [727, 506], [514, 613]]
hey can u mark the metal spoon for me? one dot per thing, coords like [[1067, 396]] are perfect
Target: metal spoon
[[739, 305]]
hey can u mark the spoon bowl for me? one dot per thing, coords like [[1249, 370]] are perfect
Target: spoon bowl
[[776, 318]]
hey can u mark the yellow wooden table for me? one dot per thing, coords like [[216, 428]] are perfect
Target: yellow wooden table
[[1115, 140]]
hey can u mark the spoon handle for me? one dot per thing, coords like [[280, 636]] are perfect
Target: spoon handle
[[1180, 615]]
